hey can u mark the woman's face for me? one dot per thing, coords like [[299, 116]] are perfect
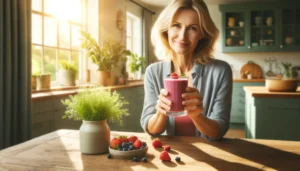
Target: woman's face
[[184, 32]]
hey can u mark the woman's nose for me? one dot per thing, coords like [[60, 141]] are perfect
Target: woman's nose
[[182, 33]]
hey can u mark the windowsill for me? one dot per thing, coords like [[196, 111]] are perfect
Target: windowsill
[[58, 92]]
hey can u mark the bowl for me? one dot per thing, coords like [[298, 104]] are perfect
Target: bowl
[[278, 85], [128, 154]]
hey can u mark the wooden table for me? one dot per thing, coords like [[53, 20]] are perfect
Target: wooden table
[[60, 151]]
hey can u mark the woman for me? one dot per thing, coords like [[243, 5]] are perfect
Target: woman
[[184, 34]]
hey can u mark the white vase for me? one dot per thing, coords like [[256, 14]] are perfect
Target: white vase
[[94, 137], [67, 77]]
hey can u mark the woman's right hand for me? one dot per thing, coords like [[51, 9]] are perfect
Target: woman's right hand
[[163, 103]]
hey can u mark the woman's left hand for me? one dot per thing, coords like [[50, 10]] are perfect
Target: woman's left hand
[[193, 102]]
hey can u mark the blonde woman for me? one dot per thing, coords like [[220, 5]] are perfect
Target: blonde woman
[[184, 35]]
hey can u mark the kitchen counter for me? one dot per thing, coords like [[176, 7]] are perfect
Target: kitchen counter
[[248, 80], [272, 115], [261, 91]]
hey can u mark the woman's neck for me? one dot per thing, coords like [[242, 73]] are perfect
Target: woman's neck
[[182, 64]]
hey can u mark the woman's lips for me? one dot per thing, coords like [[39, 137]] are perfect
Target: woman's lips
[[183, 44]]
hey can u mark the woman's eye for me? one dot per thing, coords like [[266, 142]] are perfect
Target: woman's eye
[[193, 28], [176, 25]]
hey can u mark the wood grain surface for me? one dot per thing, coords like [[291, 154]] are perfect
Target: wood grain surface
[[251, 68], [60, 151]]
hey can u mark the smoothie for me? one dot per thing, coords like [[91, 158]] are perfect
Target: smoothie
[[176, 86]]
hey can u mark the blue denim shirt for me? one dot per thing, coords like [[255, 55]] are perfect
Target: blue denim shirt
[[214, 82]]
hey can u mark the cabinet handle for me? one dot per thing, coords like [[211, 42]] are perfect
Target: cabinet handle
[[281, 46]]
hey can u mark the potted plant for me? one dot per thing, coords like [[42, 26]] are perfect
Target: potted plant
[[34, 80], [135, 64], [43, 81], [94, 106], [67, 73], [287, 74], [106, 57]]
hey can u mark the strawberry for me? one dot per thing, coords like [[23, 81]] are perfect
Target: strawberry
[[115, 143], [132, 138], [167, 148], [123, 139], [164, 156], [174, 75], [156, 143], [138, 144]]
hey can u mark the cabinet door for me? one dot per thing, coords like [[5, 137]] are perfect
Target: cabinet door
[[289, 28], [234, 32], [238, 101], [263, 30]]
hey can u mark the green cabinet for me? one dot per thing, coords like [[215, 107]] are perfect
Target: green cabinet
[[272, 117], [261, 27], [238, 101]]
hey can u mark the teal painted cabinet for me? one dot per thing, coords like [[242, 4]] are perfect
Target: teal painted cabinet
[[260, 27], [238, 101], [272, 118]]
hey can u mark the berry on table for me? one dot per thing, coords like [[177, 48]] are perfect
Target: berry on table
[[177, 158], [156, 143], [164, 156], [144, 159], [167, 148], [135, 159], [109, 156]]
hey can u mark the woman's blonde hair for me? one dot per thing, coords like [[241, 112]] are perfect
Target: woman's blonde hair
[[159, 33]]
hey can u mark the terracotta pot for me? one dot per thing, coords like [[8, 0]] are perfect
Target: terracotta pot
[[276, 85], [43, 82], [33, 82], [94, 137], [103, 78]]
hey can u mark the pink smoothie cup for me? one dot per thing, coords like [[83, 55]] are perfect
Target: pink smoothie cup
[[176, 87]]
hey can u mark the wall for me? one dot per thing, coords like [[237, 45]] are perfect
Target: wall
[[237, 60]]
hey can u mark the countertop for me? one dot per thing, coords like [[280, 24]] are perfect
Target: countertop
[[59, 151], [248, 80], [262, 91], [61, 92]]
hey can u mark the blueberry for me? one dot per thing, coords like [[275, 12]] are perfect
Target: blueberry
[[135, 159], [109, 156], [120, 149], [144, 159], [144, 144], [131, 147], [124, 145], [125, 149], [130, 143], [177, 158]]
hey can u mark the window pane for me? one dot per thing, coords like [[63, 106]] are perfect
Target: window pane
[[128, 43], [50, 62], [36, 29], [63, 55], [58, 9], [37, 5], [50, 32], [75, 57], [76, 37], [64, 35], [128, 25], [36, 59]]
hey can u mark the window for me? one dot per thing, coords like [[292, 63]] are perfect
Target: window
[[133, 35], [56, 26]]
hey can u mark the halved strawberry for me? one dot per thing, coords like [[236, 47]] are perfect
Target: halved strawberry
[[115, 143], [132, 138], [164, 156], [138, 144], [174, 75], [156, 143]]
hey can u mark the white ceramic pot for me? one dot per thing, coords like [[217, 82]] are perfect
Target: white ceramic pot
[[94, 137], [67, 77]]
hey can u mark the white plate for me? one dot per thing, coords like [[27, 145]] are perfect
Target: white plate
[[128, 154]]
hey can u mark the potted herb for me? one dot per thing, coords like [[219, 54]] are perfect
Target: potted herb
[[135, 64], [67, 73], [34, 80], [287, 74], [43, 81], [106, 57], [94, 106]]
